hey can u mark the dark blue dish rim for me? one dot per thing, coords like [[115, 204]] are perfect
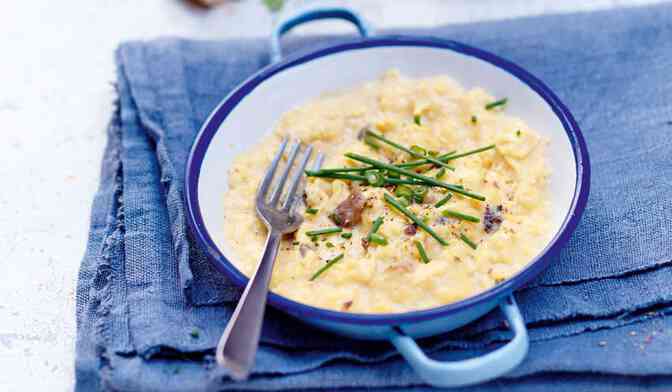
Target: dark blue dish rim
[[535, 267]]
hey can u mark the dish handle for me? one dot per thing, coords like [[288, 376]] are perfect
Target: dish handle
[[309, 15], [468, 371]]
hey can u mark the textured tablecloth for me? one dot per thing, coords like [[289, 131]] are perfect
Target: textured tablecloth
[[150, 307]]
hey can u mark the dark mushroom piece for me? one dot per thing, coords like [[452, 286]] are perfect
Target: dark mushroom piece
[[349, 212], [492, 218]]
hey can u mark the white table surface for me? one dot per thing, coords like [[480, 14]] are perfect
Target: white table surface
[[55, 100]]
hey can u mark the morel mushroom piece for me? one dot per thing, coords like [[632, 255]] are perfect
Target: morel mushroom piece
[[410, 229], [349, 212], [492, 218]]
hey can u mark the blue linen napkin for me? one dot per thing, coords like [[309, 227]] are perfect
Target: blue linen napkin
[[150, 307]]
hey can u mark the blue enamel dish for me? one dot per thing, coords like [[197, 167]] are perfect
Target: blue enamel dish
[[250, 111]]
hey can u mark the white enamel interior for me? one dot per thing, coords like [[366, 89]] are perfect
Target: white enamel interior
[[256, 115]]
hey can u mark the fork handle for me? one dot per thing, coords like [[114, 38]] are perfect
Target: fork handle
[[239, 342]]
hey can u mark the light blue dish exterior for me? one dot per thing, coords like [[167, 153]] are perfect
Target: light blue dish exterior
[[443, 374]]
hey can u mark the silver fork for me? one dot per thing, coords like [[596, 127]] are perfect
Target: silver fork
[[239, 342]]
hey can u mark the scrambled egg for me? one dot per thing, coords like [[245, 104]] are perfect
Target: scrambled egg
[[439, 115]]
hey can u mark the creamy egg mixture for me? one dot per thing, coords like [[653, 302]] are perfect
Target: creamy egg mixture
[[403, 267]]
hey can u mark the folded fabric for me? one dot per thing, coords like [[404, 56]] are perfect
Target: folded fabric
[[150, 307]]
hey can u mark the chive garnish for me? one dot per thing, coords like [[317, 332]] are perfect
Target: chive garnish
[[340, 170], [391, 175], [499, 102], [311, 211], [419, 151], [404, 181], [377, 239], [404, 191], [443, 201], [419, 193], [414, 152], [357, 177], [340, 176], [408, 173], [326, 230], [371, 142], [329, 244], [347, 236], [326, 267], [476, 151], [374, 178], [467, 241], [421, 162], [518, 133], [474, 119], [421, 251], [459, 215], [417, 119], [439, 174], [375, 225], [414, 218], [404, 201]]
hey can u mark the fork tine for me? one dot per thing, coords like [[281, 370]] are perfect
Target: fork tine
[[319, 160], [296, 180], [268, 177], [283, 178]]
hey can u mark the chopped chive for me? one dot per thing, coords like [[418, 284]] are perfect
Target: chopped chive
[[374, 178], [408, 150], [404, 181], [418, 150], [459, 215], [439, 174], [329, 244], [421, 162], [403, 191], [417, 119], [414, 218], [371, 142], [326, 267], [474, 119], [419, 193], [377, 239], [421, 251], [467, 241], [391, 174], [347, 236], [295, 243], [195, 333], [374, 227], [443, 201], [311, 211], [338, 170], [404, 201], [340, 176], [408, 173], [499, 102], [518, 133], [356, 177], [476, 151], [326, 230]]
